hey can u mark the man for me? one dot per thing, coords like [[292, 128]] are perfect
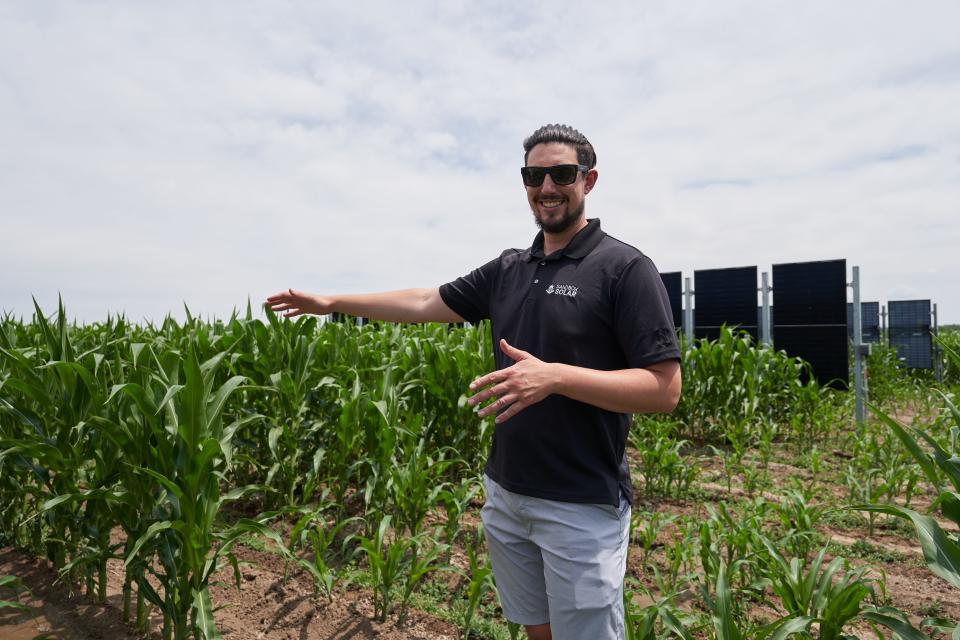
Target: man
[[585, 338]]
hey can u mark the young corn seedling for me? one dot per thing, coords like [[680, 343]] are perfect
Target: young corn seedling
[[798, 520], [424, 560], [645, 526], [313, 531], [830, 597], [657, 621], [479, 583], [387, 560], [941, 468], [415, 482]]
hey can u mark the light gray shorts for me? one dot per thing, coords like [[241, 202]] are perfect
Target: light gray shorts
[[558, 562]]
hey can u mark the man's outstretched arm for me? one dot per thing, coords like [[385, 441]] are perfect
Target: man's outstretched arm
[[406, 305]]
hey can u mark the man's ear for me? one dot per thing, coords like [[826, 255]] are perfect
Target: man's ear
[[590, 180]]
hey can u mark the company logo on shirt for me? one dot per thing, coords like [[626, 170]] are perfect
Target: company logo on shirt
[[563, 290]]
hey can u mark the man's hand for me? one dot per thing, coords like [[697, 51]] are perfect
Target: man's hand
[[296, 303], [515, 388]]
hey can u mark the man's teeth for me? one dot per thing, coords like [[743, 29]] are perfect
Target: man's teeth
[[549, 204]]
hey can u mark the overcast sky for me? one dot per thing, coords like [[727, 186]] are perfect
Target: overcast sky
[[153, 154]]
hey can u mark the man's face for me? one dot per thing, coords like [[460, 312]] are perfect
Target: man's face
[[557, 207]]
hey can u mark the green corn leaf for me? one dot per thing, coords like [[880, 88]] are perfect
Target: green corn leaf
[[203, 614], [671, 622], [7, 604], [136, 392], [152, 532], [242, 492], [723, 621], [941, 553], [926, 464], [220, 399], [193, 401], [165, 481], [786, 627], [118, 496], [900, 628], [171, 392]]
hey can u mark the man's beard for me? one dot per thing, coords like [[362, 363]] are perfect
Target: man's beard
[[564, 223]]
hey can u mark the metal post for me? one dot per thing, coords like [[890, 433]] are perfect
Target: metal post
[[937, 356], [765, 336], [858, 347], [688, 311], [884, 338]]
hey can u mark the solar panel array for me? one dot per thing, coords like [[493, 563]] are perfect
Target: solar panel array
[[910, 332], [810, 322], [869, 321], [673, 283], [725, 296]]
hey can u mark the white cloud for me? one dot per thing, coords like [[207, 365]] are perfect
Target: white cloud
[[159, 153]]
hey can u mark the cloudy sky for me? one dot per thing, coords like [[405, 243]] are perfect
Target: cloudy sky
[[156, 154]]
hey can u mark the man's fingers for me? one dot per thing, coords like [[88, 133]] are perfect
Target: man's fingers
[[512, 351], [497, 405], [490, 378], [490, 392], [514, 409]]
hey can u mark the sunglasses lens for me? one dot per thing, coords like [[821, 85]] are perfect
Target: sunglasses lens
[[533, 176], [564, 173]]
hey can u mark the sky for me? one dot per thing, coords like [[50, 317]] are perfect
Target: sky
[[156, 155]]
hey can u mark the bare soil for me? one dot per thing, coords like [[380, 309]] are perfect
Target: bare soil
[[277, 602]]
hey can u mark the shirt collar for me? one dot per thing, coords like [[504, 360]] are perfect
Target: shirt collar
[[578, 247]]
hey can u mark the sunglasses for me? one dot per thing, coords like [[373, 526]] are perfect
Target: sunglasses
[[560, 174]]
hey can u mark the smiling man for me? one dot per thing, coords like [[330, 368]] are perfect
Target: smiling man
[[584, 338]]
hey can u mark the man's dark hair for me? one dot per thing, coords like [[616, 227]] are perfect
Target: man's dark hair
[[566, 135]]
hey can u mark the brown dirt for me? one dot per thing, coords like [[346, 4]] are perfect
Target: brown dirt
[[277, 602], [54, 610], [267, 607]]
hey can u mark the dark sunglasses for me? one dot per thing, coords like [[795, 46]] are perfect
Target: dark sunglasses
[[560, 174]]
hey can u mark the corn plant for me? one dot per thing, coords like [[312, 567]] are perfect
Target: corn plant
[[424, 560], [798, 521], [733, 539], [479, 582], [657, 621], [315, 533], [941, 467], [664, 470], [388, 557], [415, 478], [645, 526], [455, 498], [831, 596], [193, 449], [731, 384]]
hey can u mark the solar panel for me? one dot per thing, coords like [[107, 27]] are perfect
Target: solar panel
[[811, 322], [725, 296], [910, 332], [674, 286], [869, 321]]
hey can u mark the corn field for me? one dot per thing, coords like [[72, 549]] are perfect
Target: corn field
[[167, 451]]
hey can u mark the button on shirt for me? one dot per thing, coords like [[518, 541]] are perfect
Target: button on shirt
[[597, 303]]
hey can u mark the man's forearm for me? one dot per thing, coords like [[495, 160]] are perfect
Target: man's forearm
[[652, 390], [406, 305]]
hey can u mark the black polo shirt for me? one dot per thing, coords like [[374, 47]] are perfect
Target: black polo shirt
[[597, 303]]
